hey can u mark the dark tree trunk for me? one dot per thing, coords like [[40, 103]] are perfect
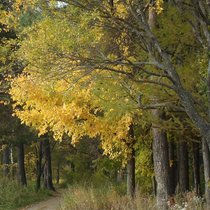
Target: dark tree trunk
[[131, 175], [6, 161], [161, 163], [154, 185], [183, 167], [196, 168], [72, 166], [206, 144], [39, 165], [206, 163], [48, 184], [58, 174], [21, 164], [172, 168]]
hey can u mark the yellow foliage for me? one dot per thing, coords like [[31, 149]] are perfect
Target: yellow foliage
[[159, 6], [51, 106], [65, 101], [121, 10]]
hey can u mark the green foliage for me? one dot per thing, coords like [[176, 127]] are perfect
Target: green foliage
[[28, 18], [85, 164], [105, 171], [13, 196]]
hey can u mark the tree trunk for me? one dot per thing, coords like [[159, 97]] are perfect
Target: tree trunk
[[13, 169], [206, 163], [196, 168], [161, 163], [21, 164], [48, 184], [39, 165], [206, 144], [172, 168], [58, 174], [183, 167], [6, 161], [131, 175], [160, 146]]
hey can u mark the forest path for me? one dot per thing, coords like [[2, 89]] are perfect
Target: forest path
[[50, 204]]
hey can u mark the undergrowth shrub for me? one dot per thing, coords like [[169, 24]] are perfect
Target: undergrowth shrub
[[14, 196]]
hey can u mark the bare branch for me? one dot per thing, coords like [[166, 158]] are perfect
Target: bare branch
[[155, 82], [159, 105]]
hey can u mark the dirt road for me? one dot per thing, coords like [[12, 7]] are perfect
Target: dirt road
[[50, 204]]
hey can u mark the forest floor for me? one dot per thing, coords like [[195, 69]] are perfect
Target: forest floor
[[50, 204]]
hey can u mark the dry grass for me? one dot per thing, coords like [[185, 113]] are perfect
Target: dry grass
[[84, 198], [188, 201], [89, 198]]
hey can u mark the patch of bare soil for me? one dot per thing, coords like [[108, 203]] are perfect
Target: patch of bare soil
[[50, 204]]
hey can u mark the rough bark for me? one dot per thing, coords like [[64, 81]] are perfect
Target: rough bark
[[161, 164], [21, 165], [196, 168], [131, 175], [6, 161], [206, 163], [48, 184], [183, 167]]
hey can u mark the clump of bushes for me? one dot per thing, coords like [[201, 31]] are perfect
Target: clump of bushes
[[14, 196]]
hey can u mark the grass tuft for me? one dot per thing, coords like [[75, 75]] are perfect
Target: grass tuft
[[89, 198]]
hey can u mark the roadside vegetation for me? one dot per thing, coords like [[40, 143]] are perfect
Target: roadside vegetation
[[12, 196]]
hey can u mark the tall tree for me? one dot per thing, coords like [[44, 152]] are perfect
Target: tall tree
[[173, 167], [161, 166], [160, 144], [196, 167], [206, 162], [183, 166], [131, 165], [6, 160], [21, 164], [48, 183], [39, 167]]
